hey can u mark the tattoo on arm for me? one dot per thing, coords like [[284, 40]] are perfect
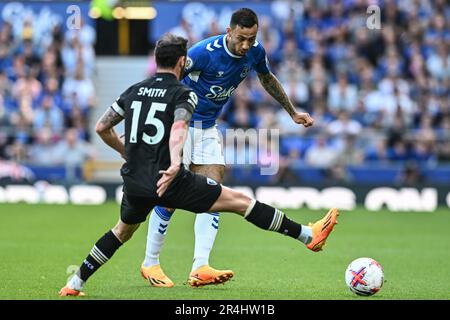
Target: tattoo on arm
[[274, 88], [110, 118], [182, 114]]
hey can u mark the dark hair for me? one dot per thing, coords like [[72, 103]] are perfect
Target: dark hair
[[169, 49], [244, 17]]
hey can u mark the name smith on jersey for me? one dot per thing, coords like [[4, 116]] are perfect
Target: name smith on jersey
[[151, 92]]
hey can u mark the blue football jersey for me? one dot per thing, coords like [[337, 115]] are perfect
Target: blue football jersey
[[213, 72]]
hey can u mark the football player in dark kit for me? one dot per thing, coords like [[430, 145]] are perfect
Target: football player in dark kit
[[157, 112]]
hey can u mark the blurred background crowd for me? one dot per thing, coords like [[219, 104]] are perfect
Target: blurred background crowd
[[46, 94], [379, 97]]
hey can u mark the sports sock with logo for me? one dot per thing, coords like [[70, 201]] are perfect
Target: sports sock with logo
[[156, 234], [272, 219], [206, 227], [102, 251]]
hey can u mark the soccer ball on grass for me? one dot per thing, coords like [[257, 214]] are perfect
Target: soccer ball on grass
[[364, 276]]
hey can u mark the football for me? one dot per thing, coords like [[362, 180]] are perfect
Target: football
[[364, 276]]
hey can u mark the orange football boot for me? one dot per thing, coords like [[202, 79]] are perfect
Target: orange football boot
[[66, 291], [206, 275], [156, 277], [322, 229]]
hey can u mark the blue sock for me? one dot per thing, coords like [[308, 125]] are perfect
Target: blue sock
[[157, 230]]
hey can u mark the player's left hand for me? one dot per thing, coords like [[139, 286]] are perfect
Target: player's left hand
[[166, 179], [303, 118]]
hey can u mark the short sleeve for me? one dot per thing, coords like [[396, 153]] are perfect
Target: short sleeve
[[188, 100], [197, 59], [119, 105], [262, 63]]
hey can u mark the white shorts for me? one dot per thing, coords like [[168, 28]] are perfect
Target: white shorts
[[203, 146]]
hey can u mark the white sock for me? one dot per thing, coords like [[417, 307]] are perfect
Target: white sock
[[206, 226], [157, 230], [75, 283], [306, 234]]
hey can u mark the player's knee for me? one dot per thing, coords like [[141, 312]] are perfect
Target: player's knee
[[215, 172], [240, 201], [171, 210], [244, 202], [220, 172], [123, 232]]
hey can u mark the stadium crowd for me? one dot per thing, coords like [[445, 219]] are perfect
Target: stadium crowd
[[377, 95], [46, 93]]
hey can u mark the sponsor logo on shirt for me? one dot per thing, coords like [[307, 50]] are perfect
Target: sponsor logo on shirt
[[219, 93]]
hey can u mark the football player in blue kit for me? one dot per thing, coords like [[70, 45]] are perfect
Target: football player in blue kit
[[214, 69]]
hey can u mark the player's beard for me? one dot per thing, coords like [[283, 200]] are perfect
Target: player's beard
[[235, 52], [238, 53], [232, 47]]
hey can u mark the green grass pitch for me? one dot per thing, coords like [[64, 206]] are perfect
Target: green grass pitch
[[39, 243]]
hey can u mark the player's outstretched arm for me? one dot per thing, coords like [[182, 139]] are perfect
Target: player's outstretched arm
[[271, 84], [105, 129], [178, 134]]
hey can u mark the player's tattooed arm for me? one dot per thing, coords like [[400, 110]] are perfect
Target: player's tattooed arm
[[105, 129], [109, 119], [182, 114], [271, 84]]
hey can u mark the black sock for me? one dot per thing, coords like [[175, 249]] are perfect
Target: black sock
[[272, 219], [102, 251]]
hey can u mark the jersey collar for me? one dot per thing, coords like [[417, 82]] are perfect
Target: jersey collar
[[226, 48], [165, 74]]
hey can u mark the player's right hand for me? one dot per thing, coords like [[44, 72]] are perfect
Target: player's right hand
[[303, 118], [166, 179]]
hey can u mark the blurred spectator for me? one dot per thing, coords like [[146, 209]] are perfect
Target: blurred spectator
[[42, 152], [27, 84], [377, 153], [344, 125], [85, 33], [342, 95], [51, 89], [241, 113], [3, 144], [75, 55], [17, 151], [411, 176], [4, 119], [423, 153], [48, 115], [350, 154], [78, 90], [398, 152], [438, 64], [72, 151], [184, 30], [269, 36], [321, 155], [339, 174]]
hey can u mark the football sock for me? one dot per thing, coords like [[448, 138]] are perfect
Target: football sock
[[102, 251], [306, 235], [206, 227], [272, 219], [75, 283], [157, 230]]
